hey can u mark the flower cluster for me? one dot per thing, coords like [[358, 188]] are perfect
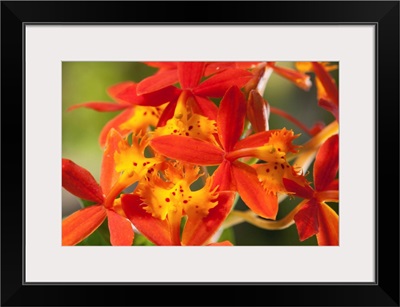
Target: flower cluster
[[193, 138]]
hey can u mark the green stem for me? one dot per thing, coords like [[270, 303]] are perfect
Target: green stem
[[237, 217]]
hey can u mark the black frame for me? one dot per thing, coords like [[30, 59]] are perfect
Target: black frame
[[383, 14]]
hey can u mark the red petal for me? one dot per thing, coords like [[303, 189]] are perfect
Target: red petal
[[217, 67], [121, 231], [81, 224], [154, 229], [298, 78], [167, 114], [162, 65], [157, 82], [231, 115], [329, 106], [307, 220], [224, 243], [223, 177], [190, 74], [108, 174], [205, 107], [114, 124], [328, 226], [217, 85], [156, 98], [80, 182], [198, 231], [305, 192], [326, 163], [101, 106], [327, 82], [115, 90], [252, 193], [257, 111], [187, 149], [255, 140]]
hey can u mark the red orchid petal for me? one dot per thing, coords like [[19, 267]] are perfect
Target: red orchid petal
[[157, 82], [199, 230], [328, 226], [231, 115], [114, 124], [108, 173], [258, 111], [326, 163], [300, 79], [167, 114], [252, 193], [327, 82], [329, 106], [190, 74], [305, 192], [80, 182], [205, 107], [101, 106], [223, 178], [224, 243], [162, 65], [121, 231], [217, 67], [254, 140], [187, 149], [334, 185], [307, 220], [114, 90], [82, 224], [217, 85], [156, 98], [156, 230]]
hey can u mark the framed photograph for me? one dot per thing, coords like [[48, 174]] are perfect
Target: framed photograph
[[209, 157]]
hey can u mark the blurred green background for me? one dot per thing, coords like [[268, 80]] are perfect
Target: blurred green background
[[88, 81]]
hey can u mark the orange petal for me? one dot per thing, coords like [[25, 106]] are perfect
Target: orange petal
[[224, 243], [81, 224], [252, 193], [115, 123], [328, 226], [326, 163], [327, 82], [121, 231], [154, 229], [80, 182], [108, 173], [298, 78], [307, 220], [199, 230], [187, 149], [231, 115], [101, 106]]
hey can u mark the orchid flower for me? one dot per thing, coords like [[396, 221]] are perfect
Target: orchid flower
[[159, 205], [232, 174], [314, 216], [81, 183]]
